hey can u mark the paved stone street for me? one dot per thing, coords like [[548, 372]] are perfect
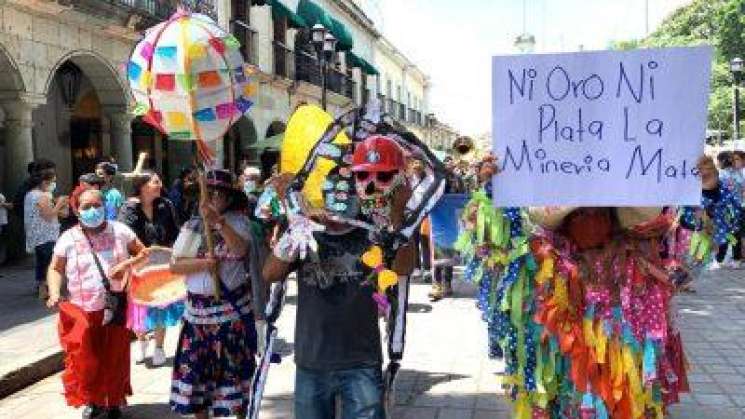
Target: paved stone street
[[446, 373]]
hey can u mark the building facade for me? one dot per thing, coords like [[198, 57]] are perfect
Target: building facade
[[64, 94], [438, 135], [402, 88]]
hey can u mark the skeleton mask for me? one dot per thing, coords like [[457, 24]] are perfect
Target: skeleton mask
[[378, 166], [375, 191]]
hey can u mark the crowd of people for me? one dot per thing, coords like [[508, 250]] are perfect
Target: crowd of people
[[237, 236], [88, 244]]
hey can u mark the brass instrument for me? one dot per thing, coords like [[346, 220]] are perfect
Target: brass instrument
[[462, 147]]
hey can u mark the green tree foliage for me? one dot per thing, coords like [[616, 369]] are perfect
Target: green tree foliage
[[720, 23]]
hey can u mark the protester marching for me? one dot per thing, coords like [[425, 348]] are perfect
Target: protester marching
[[592, 210]]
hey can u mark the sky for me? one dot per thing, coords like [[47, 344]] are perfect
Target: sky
[[453, 41]]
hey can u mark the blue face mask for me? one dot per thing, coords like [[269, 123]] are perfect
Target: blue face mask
[[92, 217]]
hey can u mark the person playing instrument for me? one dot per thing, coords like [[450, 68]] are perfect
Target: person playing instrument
[[153, 218]]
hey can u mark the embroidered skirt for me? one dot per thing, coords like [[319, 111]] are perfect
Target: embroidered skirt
[[214, 362], [96, 358]]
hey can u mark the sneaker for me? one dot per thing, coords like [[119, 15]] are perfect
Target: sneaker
[[159, 357], [734, 264], [436, 293], [141, 354], [715, 266], [92, 412]]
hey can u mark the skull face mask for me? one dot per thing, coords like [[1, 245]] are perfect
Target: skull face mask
[[378, 164], [375, 191]]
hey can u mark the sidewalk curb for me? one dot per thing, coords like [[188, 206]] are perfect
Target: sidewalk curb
[[32, 373]]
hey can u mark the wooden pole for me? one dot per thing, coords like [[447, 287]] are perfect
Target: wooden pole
[[208, 233]]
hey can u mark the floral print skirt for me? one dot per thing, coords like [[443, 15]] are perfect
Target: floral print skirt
[[214, 362]]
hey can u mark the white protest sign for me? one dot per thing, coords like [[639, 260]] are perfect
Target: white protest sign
[[606, 128]]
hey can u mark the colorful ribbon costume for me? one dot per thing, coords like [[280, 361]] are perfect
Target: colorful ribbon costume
[[585, 333]]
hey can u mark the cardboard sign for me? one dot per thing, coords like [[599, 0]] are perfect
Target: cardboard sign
[[607, 128]]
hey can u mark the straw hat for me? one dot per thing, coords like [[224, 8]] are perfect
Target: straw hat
[[630, 217], [549, 217]]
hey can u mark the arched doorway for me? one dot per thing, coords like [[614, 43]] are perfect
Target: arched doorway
[[269, 157], [15, 153], [85, 118], [276, 127], [238, 142], [11, 85]]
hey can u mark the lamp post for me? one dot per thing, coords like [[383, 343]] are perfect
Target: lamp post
[[525, 42], [325, 46], [736, 66]]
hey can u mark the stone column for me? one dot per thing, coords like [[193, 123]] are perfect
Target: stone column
[[19, 147], [121, 138]]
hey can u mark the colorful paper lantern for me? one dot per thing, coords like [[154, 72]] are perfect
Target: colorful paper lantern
[[304, 130], [189, 80]]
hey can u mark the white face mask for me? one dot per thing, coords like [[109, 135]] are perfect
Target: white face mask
[[249, 186]]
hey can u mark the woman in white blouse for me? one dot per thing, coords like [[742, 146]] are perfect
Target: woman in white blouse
[[41, 215]]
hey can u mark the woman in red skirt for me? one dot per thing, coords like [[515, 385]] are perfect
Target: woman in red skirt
[[93, 257]]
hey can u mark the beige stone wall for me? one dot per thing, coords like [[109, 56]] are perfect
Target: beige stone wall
[[38, 43]]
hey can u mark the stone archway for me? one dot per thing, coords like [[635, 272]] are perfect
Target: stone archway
[[13, 123], [238, 141], [85, 118], [15, 147], [276, 127]]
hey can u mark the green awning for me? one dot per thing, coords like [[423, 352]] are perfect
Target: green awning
[[356, 61], [313, 14], [343, 37], [280, 10], [274, 142]]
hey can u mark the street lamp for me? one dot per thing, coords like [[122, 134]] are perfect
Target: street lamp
[[525, 43], [325, 46], [736, 67]]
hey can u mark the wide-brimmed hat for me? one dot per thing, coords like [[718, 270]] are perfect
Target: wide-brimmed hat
[[628, 217], [631, 217], [549, 218], [222, 179]]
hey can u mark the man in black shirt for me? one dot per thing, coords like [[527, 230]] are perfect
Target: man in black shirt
[[338, 349]]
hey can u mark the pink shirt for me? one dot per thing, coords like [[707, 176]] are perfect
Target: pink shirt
[[84, 281]]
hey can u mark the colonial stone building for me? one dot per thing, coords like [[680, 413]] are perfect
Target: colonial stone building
[[402, 87], [63, 87]]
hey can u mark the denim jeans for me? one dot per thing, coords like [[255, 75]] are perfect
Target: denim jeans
[[360, 390]]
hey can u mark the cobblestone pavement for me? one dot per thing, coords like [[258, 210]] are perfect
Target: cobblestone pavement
[[446, 374]]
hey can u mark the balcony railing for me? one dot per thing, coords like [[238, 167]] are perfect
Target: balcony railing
[[154, 8], [284, 61], [308, 69], [248, 38]]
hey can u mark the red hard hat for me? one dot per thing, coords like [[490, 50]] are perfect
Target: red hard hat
[[378, 154]]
